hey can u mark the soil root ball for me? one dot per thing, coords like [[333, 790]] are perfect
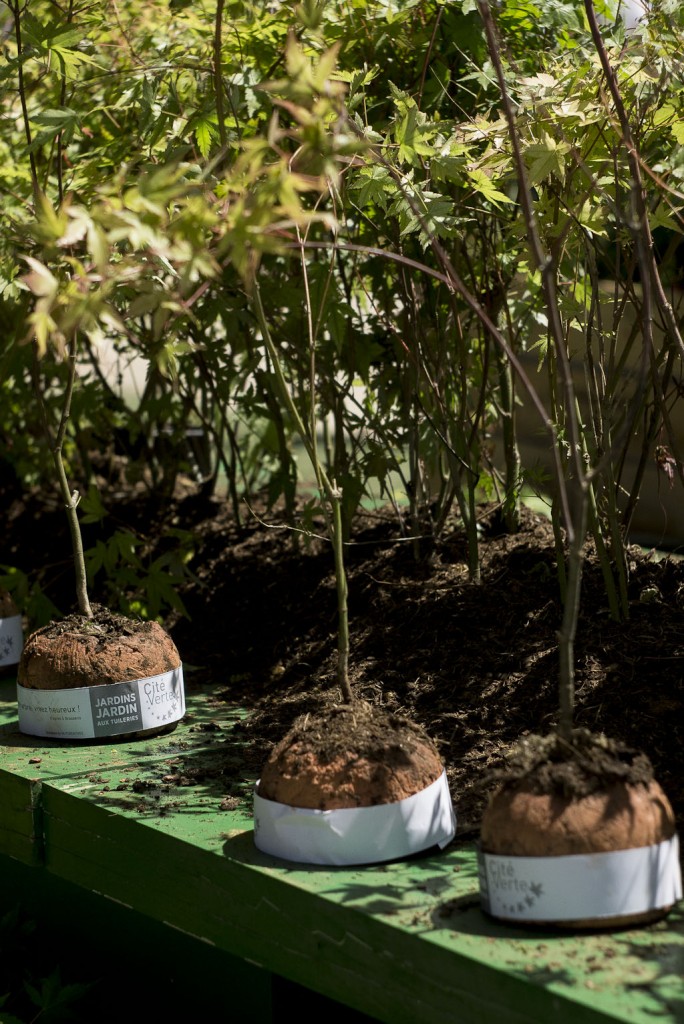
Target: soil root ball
[[109, 648], [519, 823], [592, 796], [349, 756]]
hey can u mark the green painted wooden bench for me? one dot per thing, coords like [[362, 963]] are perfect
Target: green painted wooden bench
[[402, 942]]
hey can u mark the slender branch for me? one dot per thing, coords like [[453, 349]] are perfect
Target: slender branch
[[426, 61], [332, 492], [568, 629], [60, 134], [70, 499], [574, 492], [544, 264], [453, 281], [14, 8], [334, 495], [218, 78]]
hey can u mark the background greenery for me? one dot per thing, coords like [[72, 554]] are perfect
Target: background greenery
[[183, 182]]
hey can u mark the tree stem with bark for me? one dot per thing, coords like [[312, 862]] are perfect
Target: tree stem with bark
[[69, 497], [332, 493]]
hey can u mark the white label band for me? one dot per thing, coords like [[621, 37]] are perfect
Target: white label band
[[356, 835], [11, 640], [581, 886], [91, 712]]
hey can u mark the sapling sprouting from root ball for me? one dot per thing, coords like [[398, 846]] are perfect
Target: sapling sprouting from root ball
[[350, 756], [125, 675], [574, 485], [345, 757], [94, 675], [573, 804]]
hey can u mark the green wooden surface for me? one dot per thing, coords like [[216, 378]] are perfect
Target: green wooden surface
[[403, 942]]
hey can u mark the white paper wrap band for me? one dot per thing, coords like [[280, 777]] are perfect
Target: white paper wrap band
[[92, 712], [356, 835], [581, 886], [11, 640]]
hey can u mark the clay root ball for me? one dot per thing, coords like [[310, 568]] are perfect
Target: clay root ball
[[598, 798], [520, 823], [349, 756], [110, 648], [95, 653]]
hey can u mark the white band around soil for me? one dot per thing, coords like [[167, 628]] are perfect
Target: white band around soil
[[11, 640], [92, 712], [356, 835], [581, 886]]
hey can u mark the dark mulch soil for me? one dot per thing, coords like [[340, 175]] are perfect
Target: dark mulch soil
[[474, 663]]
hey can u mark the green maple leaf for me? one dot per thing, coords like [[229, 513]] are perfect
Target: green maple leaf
[[545, 158], [485, 187], [376, 185]]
